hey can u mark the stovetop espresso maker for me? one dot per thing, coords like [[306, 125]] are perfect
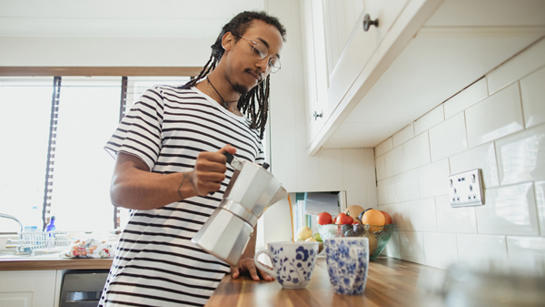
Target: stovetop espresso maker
[[251, 190]]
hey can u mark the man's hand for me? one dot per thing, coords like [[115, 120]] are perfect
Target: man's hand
[[246, 264], [210, 170]]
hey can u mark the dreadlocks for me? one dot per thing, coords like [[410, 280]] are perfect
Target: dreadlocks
[[254, 103]]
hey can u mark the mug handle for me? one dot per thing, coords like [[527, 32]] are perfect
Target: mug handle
[[262, 266]]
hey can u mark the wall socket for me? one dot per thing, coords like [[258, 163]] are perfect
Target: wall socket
[[466, 189]]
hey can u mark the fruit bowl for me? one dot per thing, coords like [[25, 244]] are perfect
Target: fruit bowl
[[378, 235]]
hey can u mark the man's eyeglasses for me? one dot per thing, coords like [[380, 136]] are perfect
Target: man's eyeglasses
[[261, 51]]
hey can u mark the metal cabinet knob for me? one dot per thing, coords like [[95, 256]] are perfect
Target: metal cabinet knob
[[368, 22], [316, 115]]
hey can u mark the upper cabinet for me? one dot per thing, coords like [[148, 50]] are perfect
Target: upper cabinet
[[373, 66]]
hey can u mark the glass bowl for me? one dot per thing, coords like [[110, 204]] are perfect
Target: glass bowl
[[378, 235]]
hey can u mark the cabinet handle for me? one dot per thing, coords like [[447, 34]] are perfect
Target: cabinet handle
[[368, 22], [316, 115]]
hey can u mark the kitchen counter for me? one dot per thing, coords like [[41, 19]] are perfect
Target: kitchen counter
[[50, 262], [390, 282]]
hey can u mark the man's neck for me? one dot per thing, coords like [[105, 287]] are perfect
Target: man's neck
[[220, 90]]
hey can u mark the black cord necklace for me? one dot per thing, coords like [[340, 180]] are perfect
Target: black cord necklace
[[223, 102]]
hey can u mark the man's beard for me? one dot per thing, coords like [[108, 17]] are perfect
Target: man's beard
[[239, 89]]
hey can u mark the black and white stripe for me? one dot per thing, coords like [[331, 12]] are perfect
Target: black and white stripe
[[156, 264]]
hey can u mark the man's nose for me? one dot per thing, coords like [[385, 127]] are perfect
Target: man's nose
[[263, 64]]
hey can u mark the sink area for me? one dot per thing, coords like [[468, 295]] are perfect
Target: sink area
[[42, 254]]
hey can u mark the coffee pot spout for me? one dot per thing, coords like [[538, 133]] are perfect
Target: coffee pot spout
[[280, 194]]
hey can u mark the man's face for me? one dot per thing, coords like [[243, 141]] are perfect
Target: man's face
[[249, 60]]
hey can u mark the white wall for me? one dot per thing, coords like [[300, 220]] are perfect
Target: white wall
[[351, 170], [90, 51], [496, 124]]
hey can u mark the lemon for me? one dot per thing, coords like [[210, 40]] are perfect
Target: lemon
[[304, 233]]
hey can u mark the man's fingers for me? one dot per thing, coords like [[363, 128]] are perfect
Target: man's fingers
[[253, 272], [234, 272], [228, 148], [265, 275]]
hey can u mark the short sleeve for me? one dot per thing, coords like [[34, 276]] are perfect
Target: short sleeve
[[139, 132]]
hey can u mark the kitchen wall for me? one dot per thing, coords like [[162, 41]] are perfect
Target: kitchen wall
[[496, 124], [350, 170]]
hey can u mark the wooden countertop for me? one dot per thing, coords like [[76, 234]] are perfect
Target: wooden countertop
[[28, 264], [390, 282]]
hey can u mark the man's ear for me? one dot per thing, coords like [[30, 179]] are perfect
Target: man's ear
[[227, 41]]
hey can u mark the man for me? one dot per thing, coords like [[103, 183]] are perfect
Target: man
[[170, 168]]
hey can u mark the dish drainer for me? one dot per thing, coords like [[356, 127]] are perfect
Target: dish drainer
[[28, 242]]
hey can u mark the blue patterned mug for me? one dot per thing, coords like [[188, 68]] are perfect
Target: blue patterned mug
[[347, 263], [292, 262]]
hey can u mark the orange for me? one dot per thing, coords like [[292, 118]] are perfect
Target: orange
[[373, 217], [387, 217]]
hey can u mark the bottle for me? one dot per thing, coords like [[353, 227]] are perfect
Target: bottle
[[50, 233]]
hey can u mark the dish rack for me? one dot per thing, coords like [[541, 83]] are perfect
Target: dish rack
[[38, 240]]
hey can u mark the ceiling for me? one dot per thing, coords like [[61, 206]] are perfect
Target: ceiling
[[119, 18]]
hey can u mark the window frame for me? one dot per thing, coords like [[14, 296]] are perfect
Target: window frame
[[57, 73]]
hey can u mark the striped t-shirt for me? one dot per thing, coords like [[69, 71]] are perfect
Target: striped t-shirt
[[156, 264]]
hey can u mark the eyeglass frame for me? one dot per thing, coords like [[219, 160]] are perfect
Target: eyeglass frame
[[262, 55]]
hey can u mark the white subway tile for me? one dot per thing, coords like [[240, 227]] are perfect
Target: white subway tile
[[521, 157], [384, 147], [471, 95], [540, 202], [518, 67], [395, 161], [527, 253], [479, 249], [422, 214], [414, 215], [412, 246], [403, 135], [417, 151], [440, 249], [406, 187], [434, 179], [533, 98], [483, 157], [461, 220], [448, 138], [429, 120], [381, 167], [508, 210], [494, 117], [386, 190]]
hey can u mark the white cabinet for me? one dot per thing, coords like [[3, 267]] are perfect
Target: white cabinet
[[369, 84], [28, 288]]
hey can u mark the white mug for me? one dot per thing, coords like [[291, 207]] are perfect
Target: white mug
[[292, 262]]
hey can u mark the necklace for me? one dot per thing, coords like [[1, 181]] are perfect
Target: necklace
[[223, 102]]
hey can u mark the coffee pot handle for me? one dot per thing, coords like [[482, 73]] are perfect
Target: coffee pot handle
[[261, 266]]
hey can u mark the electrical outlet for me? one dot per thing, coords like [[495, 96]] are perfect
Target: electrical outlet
[[466, 189]]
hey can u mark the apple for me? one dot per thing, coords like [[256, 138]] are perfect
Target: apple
[[343, 219], [324, 218]]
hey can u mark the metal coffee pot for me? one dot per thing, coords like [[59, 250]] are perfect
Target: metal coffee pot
[[252, 189]]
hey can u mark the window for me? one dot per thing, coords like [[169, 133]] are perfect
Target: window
[[88, 113], [24, 131]]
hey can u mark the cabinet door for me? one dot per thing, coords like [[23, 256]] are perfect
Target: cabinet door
[[27, 288], [357, 44]]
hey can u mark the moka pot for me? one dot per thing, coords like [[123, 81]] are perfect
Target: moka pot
[[251, 190]]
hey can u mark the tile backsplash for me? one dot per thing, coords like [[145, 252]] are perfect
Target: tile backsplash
[[496, 124]]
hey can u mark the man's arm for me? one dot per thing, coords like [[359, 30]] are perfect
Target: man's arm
[[135, 187]]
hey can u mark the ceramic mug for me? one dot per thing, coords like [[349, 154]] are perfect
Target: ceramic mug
[[292, 262], [347, 263]]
